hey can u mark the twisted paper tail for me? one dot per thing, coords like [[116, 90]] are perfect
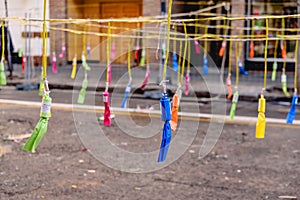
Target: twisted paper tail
[[222, 49], [205, 65], [229, 88], [41, 127], [54, 70], [107, 119], [284, 84], [175, 106], [274, 72], [81, 96], [292, 113], [197, 48], [175, 63], [165, 142], [147, 76], [260, 126], [2, 74], [37, 135], [23, 64], [74, 67], [251, 54], [127, 91]]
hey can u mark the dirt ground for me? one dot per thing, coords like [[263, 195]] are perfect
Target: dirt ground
[[239, 167]]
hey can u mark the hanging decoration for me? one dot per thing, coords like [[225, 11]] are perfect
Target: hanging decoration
[[187, 76], [274, 71], [23, 63], [228, 79], [2, 69], [222, 49], [175, 107], [282, 47], [282, 42], [174, 58], [137, 47], [107, 117], [224, 42], [196, 43], [74, 67], [86, 67], [63, 50], [251, 53], [20, 52], [284, 82], [241, 68], [197, 47], [236, 94], [143, 54], [177, 96], [106, 98], [228, 85], [128, 87], [166, 117], [54, 70], [42, 84], [45, 113], [147, 75], [283, 74], [261, 119], [74, 60], [63, 46], [84, 50], [88, 46], [292, 113], [21, 55], [165, 101], [205, 61], [113, 50]]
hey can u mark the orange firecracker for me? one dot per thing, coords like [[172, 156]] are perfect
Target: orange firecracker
[[222, 49], [251, 50], [175, 106]]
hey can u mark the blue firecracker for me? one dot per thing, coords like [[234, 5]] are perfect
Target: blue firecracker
[[292, 113], [242, 69], [205, 65], [175, 63], [127, 91], [167, 132], [88, 49]]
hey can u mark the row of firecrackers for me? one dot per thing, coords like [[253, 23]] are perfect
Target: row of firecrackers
[[169, 113]]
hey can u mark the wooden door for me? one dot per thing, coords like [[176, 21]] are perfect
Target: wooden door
[[119, 10]]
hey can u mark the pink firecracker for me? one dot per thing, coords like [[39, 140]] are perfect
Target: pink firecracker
[[54, 70]]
